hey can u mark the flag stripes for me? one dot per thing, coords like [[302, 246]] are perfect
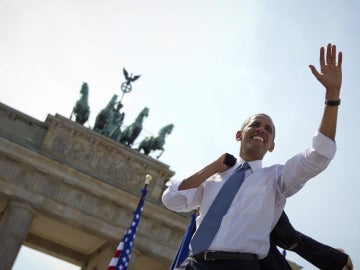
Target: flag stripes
[[121, 258]]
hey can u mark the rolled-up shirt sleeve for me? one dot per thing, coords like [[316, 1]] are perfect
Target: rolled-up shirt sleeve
[[180, 200], [306, 165], [324, 145]]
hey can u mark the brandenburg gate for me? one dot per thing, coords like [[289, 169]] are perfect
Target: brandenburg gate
[[70, 192]]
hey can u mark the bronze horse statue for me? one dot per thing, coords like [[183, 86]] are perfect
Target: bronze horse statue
[[104, 120], [82, 109], [129, 135], [155, 143]]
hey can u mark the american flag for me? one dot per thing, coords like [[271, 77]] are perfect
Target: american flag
[[183, 251], [121, 258]]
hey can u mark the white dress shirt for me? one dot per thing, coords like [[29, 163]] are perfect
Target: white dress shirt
[[260, 200]]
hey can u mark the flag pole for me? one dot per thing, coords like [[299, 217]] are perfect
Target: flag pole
[[148, 179], [121, 258]]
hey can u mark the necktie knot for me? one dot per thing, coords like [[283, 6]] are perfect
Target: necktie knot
[[244, 166]]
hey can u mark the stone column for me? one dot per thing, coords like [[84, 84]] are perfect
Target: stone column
[[14, 228]]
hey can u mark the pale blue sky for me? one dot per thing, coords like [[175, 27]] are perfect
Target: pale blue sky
[[205, 66]]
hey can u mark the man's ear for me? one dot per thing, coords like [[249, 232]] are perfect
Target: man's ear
[[238, 135], [272, 147]]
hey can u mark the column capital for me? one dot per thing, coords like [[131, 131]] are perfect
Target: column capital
[[22, 204]]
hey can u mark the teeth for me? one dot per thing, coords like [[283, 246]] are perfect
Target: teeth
[[258, 138]]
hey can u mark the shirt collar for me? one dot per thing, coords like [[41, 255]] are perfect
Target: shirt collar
[[255, 165]]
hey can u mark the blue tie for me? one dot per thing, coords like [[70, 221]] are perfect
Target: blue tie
[[208, 228]]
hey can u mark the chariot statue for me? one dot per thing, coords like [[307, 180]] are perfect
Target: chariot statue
[[109, 121]]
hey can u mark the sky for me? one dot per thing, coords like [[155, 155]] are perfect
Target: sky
[[205, 66]]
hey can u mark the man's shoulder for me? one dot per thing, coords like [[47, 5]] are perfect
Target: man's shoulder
[[274, 167]]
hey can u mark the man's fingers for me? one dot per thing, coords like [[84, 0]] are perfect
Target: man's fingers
[[340, 59], [333, 54], [328, 54], [315, 72], [322, 60]]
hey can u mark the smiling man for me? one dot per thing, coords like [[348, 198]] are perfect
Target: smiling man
[[241, 201], [255, 144]]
